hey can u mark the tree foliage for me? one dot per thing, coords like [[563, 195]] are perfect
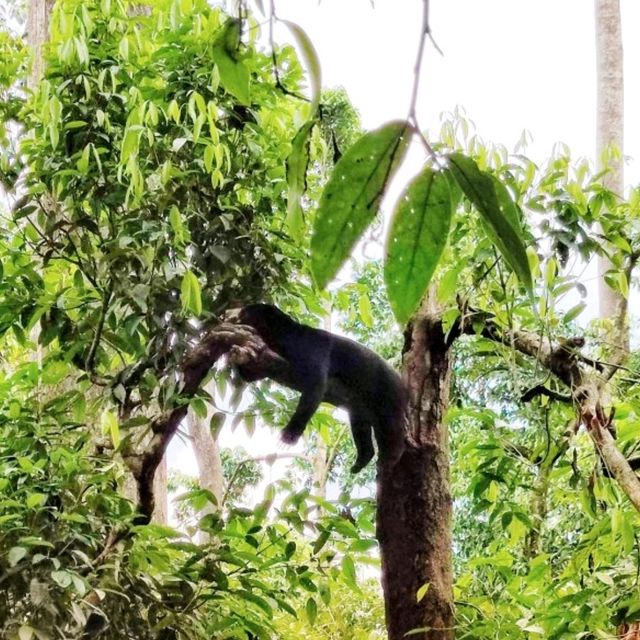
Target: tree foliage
[[167, 166]]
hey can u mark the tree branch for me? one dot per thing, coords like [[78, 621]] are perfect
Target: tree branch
[[541, 390], [563, 360], [246, 348]]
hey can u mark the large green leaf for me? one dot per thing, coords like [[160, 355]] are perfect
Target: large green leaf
[[418, 235], [497, 210], [351, 198]]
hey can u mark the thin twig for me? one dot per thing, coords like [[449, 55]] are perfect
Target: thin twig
[[412, 116], [91, 356]]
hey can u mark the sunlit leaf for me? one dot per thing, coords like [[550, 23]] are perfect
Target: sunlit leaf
[[422, 591], [110, 427], [351, 198], [311, 609], [15, 555], [364, 309], [480, 188], [190, 293], [418, 236], [574, 312], [349, 571]]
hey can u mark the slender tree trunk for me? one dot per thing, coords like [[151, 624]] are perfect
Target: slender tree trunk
[[414, 500], [37, 35], [161, 507], [538, 510], [610, 133], [207, 452], [323, 458], [320, 468]]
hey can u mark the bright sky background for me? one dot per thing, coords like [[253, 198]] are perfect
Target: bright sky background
[[512, 65]]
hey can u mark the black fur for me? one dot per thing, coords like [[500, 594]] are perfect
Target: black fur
[[369, 389]]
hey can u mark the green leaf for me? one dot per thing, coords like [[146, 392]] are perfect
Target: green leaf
[[62, 578], [83, 161], [190, 293], [234, 76], [349, 572], [130, 143], [496, 211], [351, 198], [422, 591], [173, 111], [418, 236], [623, 285], [448, 283], [311, 61], [35, 500], [364, 309], [110, 426], [216, 422], [297, 164], [311, 610], [179, 230], [574, 312], [321, 541]]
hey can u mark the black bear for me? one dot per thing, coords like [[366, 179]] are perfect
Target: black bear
[[374, 397]]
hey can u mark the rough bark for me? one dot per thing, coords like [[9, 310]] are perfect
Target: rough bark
[[610, 132], [414, 500]]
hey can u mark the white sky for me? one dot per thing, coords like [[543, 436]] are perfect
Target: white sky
[[512, 65]]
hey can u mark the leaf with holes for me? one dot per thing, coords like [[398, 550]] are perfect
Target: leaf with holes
[[418, 236], [351, 198], [497, 209]]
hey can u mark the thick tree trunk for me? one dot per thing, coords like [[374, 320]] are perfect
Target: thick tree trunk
[[610, 130], [414, 500]]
